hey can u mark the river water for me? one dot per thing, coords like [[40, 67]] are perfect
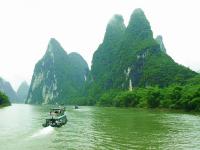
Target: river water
[[98, 128]]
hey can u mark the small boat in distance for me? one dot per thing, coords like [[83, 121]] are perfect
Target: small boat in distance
[[57, 117], [76, 106]]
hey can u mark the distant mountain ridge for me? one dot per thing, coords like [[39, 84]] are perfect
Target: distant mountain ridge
[[22, 92], [6, 88]]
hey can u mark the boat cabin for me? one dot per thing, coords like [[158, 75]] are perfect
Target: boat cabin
[[54, 112]]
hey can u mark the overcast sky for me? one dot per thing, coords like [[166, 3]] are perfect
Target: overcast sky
[[79, 25]]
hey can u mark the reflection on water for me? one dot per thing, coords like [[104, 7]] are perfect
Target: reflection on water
[[98, 128]]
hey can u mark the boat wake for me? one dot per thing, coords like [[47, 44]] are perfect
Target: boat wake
[[43, 132]]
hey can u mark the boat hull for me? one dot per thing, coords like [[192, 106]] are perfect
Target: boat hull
[[55, 122]]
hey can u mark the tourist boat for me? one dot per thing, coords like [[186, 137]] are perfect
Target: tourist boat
[[57, 117]]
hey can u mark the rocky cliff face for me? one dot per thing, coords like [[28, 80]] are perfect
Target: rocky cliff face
[[104, 57], [57, 77], [159, 39], [22, 92], [134, 59], [6, 88]]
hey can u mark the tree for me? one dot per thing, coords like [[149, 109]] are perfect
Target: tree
[[4, 101], [153, 97]]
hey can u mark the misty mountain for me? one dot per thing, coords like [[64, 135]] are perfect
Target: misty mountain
[[58, 77], [6, 88], [130, 57], [22, 92]]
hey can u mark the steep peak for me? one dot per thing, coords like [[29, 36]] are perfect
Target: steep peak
[[139, 27], [76, 57], [138, 11], [114, 29], [6, 87], [24, 84], [54, 46], [116, 19], [159, 40], [74, 54], [1, 79], [22, 92], [53, 41], [138, 15]]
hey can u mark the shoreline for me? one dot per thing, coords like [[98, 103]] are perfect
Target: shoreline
[[5, 105], [192, 112]]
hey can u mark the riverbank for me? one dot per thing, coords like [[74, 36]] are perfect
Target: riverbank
[[173, 97], [4, 105], [185, 96]]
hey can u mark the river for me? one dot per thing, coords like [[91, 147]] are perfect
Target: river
[[98, 128]]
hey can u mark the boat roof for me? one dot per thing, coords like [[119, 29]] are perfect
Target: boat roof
[[58, 108]]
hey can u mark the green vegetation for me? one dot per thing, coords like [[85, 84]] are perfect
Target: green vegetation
[[173, 97], [6, 87], [131, 57], [128, 57], [58, 77], [131, 54], [4, 101]]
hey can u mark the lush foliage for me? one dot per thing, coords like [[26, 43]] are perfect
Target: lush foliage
[[4, 101], [173, 97]]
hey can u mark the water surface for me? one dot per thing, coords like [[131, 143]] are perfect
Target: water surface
[[98, 128]]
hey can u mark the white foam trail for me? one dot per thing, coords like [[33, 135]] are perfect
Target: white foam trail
[[43, 132]]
